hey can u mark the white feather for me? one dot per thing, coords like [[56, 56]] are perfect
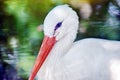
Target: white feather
[[87, 59]]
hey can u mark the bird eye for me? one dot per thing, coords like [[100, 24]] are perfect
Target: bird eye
[[57, 26]]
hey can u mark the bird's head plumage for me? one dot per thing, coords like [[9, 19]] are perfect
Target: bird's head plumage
[[59, 21]]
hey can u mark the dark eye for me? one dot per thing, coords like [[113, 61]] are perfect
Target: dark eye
[[57, 26]]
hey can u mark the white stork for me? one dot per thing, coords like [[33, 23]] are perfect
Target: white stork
[[60, 58]]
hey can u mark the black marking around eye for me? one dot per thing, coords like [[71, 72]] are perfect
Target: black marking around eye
[[58, 25]]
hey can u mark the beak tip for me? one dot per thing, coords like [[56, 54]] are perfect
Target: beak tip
[[31, 78], [42, 55]]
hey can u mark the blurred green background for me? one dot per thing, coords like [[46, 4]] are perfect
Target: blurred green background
[[21, 35]]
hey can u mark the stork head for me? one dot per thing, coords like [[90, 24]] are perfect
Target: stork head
[[59, 22]]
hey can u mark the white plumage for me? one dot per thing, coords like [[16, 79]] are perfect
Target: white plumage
[[87, 59]]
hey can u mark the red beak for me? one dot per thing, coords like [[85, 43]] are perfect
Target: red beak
[[45, 49]]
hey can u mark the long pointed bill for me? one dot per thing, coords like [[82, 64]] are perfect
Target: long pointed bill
[[45, 49]]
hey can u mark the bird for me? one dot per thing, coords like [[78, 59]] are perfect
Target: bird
[[62, 58]]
